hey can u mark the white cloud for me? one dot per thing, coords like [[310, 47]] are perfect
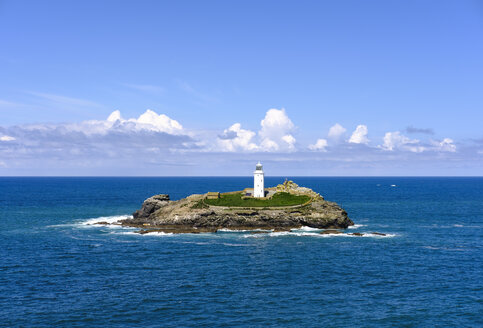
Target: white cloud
[[115, 116], [290, 140], [395, 140], [320, 145], [235, 138], [7, 138], [359, 136], [148, 121], [446, 144], [274, 135], [160, 123], [275, 131], [336, 131], [269, 145]]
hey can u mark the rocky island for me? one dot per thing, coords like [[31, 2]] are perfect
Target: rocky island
[[284, 207]]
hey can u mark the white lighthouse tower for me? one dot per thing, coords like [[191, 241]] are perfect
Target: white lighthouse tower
[[258, 183]]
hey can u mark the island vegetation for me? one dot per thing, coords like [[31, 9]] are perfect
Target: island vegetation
[[279, 199]]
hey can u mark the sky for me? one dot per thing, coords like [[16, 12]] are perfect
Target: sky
[[181, 88]]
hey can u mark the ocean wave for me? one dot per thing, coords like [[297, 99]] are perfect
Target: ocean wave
[[305, 228], [108, 220], [456, 225], [457, 249], [356, 226], [313, 234], [93, 222], [153, 233], [234, 230], [237, 245]]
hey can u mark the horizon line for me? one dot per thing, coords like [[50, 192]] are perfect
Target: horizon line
[[240, 176]]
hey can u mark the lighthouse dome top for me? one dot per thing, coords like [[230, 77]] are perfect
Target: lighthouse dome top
[[259, 167]]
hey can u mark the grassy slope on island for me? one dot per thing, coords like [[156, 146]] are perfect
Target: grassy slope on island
[[279, 199]]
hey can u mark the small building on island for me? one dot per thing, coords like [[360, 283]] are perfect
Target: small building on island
[[212, 195]]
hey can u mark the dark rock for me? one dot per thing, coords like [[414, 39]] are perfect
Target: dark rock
[[330, 232], [151, 205], [378, 233], [282, 229]]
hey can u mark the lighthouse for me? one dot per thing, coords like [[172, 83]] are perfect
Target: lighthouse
[[258, 183]]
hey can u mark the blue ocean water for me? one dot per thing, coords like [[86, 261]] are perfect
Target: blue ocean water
[[56, 270]]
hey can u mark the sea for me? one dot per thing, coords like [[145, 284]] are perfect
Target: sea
[[58, 269]]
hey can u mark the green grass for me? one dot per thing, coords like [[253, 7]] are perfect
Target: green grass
[[279, 199], [199, 204]]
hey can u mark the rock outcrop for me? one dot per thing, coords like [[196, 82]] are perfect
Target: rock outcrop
[[151, 205], [192, 214]]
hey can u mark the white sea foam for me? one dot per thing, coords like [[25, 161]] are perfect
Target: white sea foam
[[457, 249], [314, 234], [197, 242], [305, 228], [436, 226], [237, 245], [110, 220], [233, 230], [356, 226], [153, 233]]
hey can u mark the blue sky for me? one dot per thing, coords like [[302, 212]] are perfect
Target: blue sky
[[307, 87]]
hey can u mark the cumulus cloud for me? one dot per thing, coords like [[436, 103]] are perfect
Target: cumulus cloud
[[235, 138], [149, 120], [275, 135], [336, 131], [290, 140], [395, 140], [275, 132], [269, 145], [446, 145], [359, 136], [160, 123], [320, 145]]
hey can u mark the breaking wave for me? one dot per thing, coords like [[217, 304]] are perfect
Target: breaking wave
[[314, 234], [355, 226], [109, 220]]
